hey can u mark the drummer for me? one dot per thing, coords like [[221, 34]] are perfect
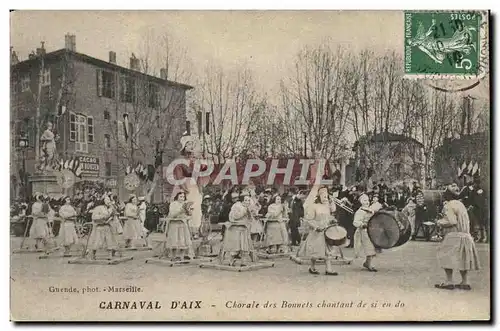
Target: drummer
[[363, 247], [318, 217], [376, 204], [67, 232]]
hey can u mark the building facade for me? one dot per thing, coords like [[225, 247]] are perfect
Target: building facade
[[388, 156], [90, 102]]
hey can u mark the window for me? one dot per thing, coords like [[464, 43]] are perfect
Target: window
[[157, 121], [128, 91], [46, 77], [106, 84], [25, 83], [153, 96], [107, 166], [106, 115], [107, 141], [81, 131], [90, 128], [188, 128], [199, 117]]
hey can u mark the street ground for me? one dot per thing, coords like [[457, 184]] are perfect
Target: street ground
[[403, 289]]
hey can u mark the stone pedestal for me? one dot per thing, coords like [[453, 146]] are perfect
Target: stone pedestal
[[45, 184]]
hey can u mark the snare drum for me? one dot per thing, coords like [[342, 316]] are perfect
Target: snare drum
[[336, 235], [389, 229]]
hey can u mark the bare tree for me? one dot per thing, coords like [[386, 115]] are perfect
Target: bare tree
[[230, 99], [315, 102], [434, 122], [383, 107]]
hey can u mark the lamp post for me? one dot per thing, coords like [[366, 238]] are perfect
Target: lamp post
[[23, 144]]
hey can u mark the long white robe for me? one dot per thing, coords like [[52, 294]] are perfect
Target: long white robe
[[67, 231], [457, 250]]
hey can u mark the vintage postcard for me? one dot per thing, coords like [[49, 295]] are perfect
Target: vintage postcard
[[250, 166]]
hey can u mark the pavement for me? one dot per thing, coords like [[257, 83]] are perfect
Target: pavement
[[402, 289]]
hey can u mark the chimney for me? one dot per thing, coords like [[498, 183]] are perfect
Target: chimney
[[70, 42], [41, 51], [13, 57], [112, 57], [134, 63], [163, 73]]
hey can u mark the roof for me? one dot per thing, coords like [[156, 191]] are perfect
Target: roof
[[100, 63], [388, 137]]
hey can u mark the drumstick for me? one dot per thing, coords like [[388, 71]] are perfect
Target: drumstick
[[367, 210]]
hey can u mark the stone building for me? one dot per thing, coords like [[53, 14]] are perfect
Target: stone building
[[89, 101], [389, 156]]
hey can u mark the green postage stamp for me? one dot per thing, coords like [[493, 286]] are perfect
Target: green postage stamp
[[446, 44]]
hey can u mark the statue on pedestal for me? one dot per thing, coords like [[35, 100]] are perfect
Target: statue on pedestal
[[48, 153]]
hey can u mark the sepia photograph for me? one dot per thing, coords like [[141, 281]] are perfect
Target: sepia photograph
[[231, 165]]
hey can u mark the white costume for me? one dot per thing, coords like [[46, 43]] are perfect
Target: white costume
[[132, 229], [39, 229], [102, 236], [457, 250], [363, 246], [67, 232]]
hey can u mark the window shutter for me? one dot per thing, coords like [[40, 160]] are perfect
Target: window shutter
[[90, 129], [120, 133], [72, 127], [207, 123], [123, 88], [99, 82], [200, 124]]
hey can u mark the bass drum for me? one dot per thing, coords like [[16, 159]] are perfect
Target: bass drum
[[389, 229]]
